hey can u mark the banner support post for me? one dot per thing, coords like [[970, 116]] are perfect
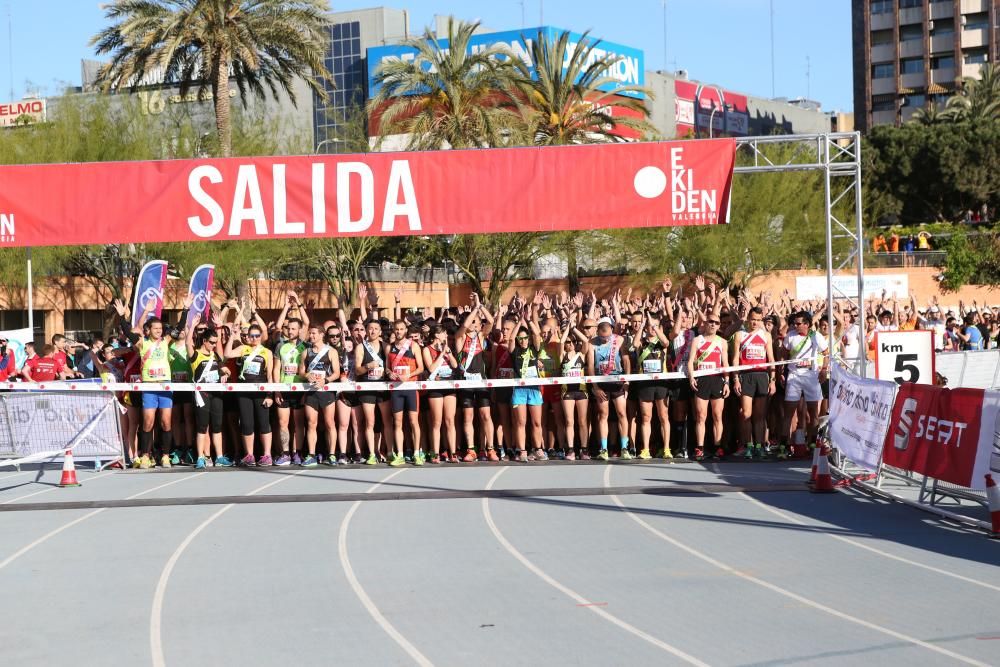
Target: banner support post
[[31, 304]]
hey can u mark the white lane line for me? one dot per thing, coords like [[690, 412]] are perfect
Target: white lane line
[[359, 591], [53, 488], [785, 592], [860, 545], [569, 592], [17, 554], [156, 616]]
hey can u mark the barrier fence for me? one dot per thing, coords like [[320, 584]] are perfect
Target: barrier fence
[[977, 369]]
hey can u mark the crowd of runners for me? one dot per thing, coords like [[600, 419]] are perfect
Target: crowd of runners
[[767, 409]]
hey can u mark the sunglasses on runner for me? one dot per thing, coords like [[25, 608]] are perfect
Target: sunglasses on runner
[[521, 338], [253, 335], [213, 342], [714, 322]]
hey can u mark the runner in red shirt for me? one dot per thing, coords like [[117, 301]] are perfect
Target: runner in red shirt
[[45, 368]]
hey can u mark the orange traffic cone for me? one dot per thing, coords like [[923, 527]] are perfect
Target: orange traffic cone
[[993, 496], [815, 466], [68, 471], [824, 483]]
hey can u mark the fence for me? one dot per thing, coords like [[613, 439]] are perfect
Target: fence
[[979, 370], [36, 426]]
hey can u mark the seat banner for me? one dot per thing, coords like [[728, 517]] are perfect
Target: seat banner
[[595, 186]]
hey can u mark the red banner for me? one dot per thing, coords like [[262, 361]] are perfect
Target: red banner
[[943, 433], [440, 192]]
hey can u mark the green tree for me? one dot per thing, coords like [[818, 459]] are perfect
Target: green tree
[[339, 261], [979, 98], [447, 96], [493, 259], [265, 45], [563, 102]]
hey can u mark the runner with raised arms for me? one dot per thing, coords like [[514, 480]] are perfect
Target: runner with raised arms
[[369, 366], [406, 364], [709, 353], [320, 365], [472, 343]]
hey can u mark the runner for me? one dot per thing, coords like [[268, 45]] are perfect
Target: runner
[[350, 416], [575, 397], [651, 346], [154, 365], [605, 358], [502, 368], [406, 364], [441, 364], [527, 401], [207, 368], [709, 353], [753, 348], [369, 366], [803, 346], [320, 366], [256, 365], [679, 390], [182, 415], [289, 355], [471, 341]]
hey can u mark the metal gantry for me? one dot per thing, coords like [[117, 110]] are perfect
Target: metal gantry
[[838, 156]]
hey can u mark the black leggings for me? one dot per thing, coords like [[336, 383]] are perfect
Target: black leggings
[[209, 414], [253, 412]]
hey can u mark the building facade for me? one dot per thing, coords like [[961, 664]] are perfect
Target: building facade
[[909, 54]]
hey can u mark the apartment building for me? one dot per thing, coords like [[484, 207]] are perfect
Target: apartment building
[[909, 54]]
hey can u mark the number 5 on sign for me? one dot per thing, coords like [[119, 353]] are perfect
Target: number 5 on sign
[[905, 356]]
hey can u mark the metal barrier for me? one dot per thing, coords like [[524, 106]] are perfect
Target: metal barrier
[[976, 369]]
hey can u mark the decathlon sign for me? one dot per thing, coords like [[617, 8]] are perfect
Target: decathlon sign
[[628, 71], [559, 188], [24, 112]]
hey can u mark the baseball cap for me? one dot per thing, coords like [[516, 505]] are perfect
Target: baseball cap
[[935, 309], [605, 320]]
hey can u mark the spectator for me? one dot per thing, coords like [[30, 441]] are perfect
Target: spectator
[[8, 365], [924, 240], [894, 242], [878, 243], [970, 337], [45, 368]]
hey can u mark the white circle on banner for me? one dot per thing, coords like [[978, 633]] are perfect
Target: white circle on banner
[[650, 182]]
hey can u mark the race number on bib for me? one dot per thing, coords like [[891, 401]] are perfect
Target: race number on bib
[[157, 374], [474, 377], [652, 366], [531, 372], [289, 369], [252, 368], [506, 373], [707, 366], [574, 373], [179, 376], [211, 377], [376, 373], [606, 368], [401, 371]]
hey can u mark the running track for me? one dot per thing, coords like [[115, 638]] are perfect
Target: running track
[[557, 564]]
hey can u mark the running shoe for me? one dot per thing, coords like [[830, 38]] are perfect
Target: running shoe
[[602, 455], [165, 462], [435, 459], [208, 462], [551, 454], [666, 455], [645, 455], [137, 462], [296, 459], [308, 462], [482, 456], [329, 460], [188, 457], [491, 455], [145, 462], [699, 454], [341, 460], [371, 460], [584, 454], [397, 461], [453, 458], [749, 452], [720, 454], [200, 463], [522, 456], [419, 459], [626, 455], [470, 456], [759, 452], [570, 455], [540, 455], [175, 459], [682, 454], [224, 462], [782, 453], [265, 460], [247, 461], [502, 453], [283, 460]]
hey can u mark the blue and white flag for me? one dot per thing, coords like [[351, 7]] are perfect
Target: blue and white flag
[[152, 281]]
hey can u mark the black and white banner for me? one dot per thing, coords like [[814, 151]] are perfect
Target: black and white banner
[[860, 409]]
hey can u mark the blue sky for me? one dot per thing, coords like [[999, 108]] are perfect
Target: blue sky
[[726, 42]]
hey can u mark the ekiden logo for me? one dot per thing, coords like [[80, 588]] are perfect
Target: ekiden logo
[[688, 204], [6, 227]]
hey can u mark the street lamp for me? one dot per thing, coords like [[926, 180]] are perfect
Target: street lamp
[[326, 141], [711, 119]]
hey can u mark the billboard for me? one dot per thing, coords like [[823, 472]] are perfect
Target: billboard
[[695, 102], [630, 71], [24, 112]]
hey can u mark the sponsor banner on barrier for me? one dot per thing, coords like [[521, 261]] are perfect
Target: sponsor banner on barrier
[[943, 433], [600, 186], [38, 422], [859, 416]]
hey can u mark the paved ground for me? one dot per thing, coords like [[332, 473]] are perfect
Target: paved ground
[[557, 564]]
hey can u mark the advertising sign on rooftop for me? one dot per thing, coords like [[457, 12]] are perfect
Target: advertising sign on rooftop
[[24, 112], [628, 71]]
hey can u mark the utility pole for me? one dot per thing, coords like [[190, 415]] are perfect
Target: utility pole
[[10, 50], [772, 48], [664, 35], [808, 91]]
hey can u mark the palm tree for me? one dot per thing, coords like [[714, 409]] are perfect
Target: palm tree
[[932, 115], [263, 44], [446, 96], [979, 99], [563, 103]]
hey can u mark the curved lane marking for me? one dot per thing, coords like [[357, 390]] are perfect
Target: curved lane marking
[[783, 591]]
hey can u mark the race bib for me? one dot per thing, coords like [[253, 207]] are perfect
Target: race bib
[[316, 377], [444, 371], [706, 366], [506, 373], [606, 368], [652, 366], [376, 373], [156, 373], [252, 367], [474, 377], [211, 377], [289, 369], [401, 371], [134, 378], [531, 372], [804, 364], [180, 376], [755, 353], [574, 373]]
